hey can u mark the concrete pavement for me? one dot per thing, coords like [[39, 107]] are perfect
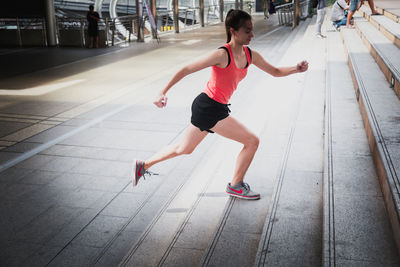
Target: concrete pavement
[[70, 134]]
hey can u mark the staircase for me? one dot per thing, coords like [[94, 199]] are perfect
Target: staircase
[[327, 167], [362, 145], [201, 225]]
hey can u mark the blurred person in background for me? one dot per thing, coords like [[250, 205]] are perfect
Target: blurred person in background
[[93, 28], [321, 11]]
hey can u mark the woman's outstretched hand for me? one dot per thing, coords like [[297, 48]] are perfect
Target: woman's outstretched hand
[[302, 66], [161, 101]]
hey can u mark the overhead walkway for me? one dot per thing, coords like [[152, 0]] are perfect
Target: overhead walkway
[[66, 191]]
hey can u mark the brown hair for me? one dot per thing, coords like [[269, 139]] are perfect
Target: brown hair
[[235, 19]]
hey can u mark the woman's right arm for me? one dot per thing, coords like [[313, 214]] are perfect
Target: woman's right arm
[[262, 64], [216, 58]]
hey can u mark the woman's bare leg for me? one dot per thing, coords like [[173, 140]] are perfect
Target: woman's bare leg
[[192, 138], [233, 129]]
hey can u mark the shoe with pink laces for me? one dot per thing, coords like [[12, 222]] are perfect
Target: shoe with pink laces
[[138, 172]]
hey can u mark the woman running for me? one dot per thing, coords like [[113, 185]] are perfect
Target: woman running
[[210, 112]]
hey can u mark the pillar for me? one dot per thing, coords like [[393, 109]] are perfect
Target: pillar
[[296, 15], [50, 23], [154, 11], [176, 15], [221, 10], [202, 13], [139, 21]]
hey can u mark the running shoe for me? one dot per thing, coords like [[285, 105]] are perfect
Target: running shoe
[[138, 172], [241, 190]]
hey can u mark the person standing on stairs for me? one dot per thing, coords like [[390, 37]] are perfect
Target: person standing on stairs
[[210, 111], [354, 6], [321, 11]]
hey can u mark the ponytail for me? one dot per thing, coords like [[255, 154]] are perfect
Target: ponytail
[[235, 19]]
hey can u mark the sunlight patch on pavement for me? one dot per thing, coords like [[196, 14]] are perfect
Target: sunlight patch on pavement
[[190, 42], [40, 90]]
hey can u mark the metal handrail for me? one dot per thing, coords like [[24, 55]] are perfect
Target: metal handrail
[[20, 25], [285, 12], [304, 9], [122, 29], [72, 31], [211, 14], [284, 5]]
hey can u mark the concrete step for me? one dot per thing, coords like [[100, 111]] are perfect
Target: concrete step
[[387, 26], [380, 109], [240, 227], [187, 220], [293, 226], [390, 9], [385, 53], [357, 228], [128, 214], [241, 222]]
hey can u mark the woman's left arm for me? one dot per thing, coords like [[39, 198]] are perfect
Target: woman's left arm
[[260, 62]]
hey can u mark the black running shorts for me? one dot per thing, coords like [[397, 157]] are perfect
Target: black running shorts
[[206, 112]]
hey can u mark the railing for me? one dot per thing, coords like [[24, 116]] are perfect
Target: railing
[[191, 15], [17, 32], [125, 28], [304, 9], [165, 19], [121, 29], [73, 31], [212, 12], [285, 12], [112, 32]]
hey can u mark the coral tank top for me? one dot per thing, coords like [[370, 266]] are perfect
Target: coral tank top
[[224, 81]]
